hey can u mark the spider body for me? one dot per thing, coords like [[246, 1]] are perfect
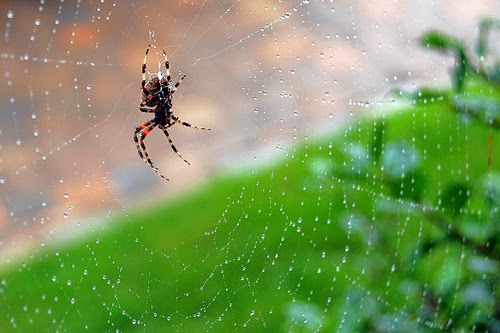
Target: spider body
[[157, 98]]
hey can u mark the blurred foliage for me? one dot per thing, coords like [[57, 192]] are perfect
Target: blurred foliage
[[464, 65], [391, 226]]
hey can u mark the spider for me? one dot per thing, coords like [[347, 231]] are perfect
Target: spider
[[157, 98]]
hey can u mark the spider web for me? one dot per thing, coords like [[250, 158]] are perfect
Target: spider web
[[279, 244]]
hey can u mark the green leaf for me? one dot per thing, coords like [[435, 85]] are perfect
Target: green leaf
[[436, 39], [400, 159], [484, 28], [402, 166], [455, 197], [491, 187], [423, 96], [377, 140], [484, 109], [446, 43]]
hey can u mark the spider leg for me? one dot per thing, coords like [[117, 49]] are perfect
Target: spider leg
[[167, 65], [145, 108], [177, 120], [142, 131], [143, 69], [177, 84], [174, 148]]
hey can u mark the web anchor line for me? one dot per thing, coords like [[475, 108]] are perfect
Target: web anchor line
[[265, 27]]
